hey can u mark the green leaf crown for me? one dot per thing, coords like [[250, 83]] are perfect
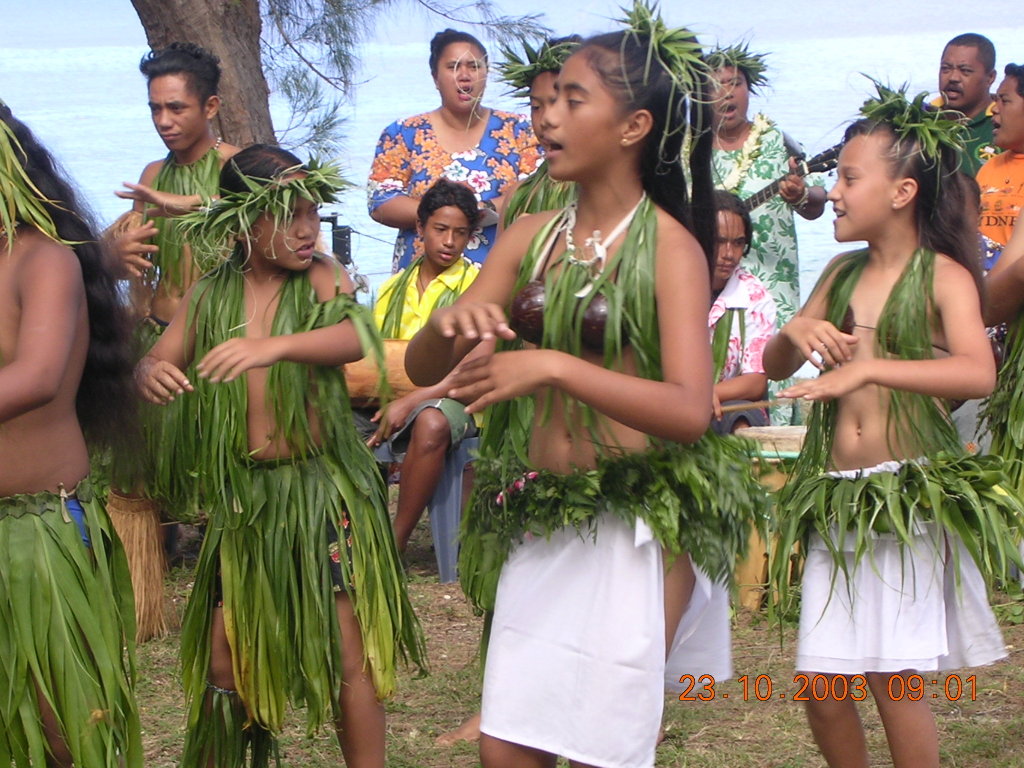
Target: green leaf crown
[[929, 129], [213, 229], [739, 56], [520, 72], [676, 50]]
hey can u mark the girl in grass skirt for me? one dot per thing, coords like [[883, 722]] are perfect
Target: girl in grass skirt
[[598, 526], [67, 625], [899, 526], [299, 595]]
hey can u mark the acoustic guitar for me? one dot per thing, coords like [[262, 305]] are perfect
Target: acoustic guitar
[[825, 161]]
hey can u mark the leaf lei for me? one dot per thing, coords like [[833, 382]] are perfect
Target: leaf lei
[[749, 152], [21, 201], [903, 332], [521, 72], [201, 177], [739, 57], [721, 335], [1002, 413], [212, 230]]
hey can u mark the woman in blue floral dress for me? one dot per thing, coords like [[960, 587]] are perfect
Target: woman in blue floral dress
[[487, 149]]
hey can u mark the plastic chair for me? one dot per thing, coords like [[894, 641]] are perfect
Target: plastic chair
[[445, 505]]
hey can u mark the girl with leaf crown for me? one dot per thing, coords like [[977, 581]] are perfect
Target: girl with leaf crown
[[299, 595], [598, 527], [899, 525], [67, 624], [533, 77]]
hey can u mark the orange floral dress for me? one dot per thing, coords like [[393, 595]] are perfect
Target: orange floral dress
[[409, 159]]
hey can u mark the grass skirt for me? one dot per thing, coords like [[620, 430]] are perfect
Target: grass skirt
[[270, 554], [67, 628], [702, 499], [965, 497]]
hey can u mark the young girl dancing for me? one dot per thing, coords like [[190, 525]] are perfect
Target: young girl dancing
[[895, 519], [533, 77], [299, 595], [67, 624], [587, 509]]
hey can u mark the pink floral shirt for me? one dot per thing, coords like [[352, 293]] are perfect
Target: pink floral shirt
[[744, 291]]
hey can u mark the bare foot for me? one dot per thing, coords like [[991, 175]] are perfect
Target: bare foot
[[468, 731]]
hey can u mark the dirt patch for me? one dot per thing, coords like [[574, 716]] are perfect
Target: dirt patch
[[720, 733]]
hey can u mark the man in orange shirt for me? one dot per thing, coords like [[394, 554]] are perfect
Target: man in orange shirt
[[1002, 178]]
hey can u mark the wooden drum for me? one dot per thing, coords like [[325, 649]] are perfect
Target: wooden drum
[[779, 447], [361, 377]]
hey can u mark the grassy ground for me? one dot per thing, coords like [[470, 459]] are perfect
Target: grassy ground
[[721, 733]]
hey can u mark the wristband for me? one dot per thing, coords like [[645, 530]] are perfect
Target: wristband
[[803, 199]]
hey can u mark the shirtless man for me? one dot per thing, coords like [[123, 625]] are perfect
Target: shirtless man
[[183, 80], [183, 101]]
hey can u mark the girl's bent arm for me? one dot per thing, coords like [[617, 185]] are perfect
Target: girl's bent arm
[[808, 337], [49, 285], [968, 372], [677, 408], [331, 346]]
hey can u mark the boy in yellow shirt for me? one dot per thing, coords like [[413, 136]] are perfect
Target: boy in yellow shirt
[[424, 424]]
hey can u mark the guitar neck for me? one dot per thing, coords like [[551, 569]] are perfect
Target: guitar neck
[[762, 196], [825, 161]]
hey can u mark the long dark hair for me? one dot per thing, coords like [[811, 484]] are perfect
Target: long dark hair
[[727, 202], [255, 162], [941, 207], [106, 394], [622, 60]]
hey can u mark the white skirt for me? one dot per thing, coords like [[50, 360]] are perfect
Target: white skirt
[[903, 607], [576, 660]]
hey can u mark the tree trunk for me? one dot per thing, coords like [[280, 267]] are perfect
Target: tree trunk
[[230, 29]]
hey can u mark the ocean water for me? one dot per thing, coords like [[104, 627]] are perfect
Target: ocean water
[[88, 104]]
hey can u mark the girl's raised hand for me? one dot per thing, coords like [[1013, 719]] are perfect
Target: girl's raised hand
[[230, 359], [820, 342], [490, 378], [160, 381], [472, 320]]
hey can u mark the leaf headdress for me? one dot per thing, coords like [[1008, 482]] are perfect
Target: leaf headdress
[[677, 52], [22, 201], [520, 72], [213, 230], [929, 129], [742, 60]]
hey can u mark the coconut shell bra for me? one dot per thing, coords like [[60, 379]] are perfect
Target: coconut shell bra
[[526, 312]]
